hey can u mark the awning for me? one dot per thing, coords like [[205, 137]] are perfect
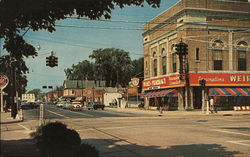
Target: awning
[[160, 93], [229, 92], [168, 92]]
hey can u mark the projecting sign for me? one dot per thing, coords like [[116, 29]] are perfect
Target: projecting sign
[[3, 81]]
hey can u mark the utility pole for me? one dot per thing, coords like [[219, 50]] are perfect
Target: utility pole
[[182, 51]]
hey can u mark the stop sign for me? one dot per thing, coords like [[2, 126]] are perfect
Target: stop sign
[[3, 81]]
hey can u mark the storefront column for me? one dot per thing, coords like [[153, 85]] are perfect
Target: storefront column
[[146, 103], [180, 99], [189, 98]]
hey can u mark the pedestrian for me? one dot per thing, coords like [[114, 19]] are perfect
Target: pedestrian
[[211, 101]]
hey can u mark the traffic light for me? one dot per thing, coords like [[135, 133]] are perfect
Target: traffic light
[[47, 61], [202, 83], [181, 48], [51, 61]]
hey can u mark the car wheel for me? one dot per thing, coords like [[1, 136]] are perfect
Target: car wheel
[[102, 108], [88, 108]]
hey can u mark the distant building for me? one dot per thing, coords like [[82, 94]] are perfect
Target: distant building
[[29, 97], [78, 89]]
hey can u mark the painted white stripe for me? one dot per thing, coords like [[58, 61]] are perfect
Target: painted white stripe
[[237, 133], [240, 142], [57, 114], [81, 113], [24, 127]]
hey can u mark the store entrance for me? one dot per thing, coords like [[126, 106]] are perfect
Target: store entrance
[[197, 97]]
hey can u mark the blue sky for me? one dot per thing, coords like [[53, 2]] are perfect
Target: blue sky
[[72, 45]]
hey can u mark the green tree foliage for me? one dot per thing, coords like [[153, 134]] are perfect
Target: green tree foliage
[[82, 70], [113, 65]]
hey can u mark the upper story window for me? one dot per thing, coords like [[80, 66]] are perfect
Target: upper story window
[[241, 55], [217, 54], [154, 64], [174, 58], [164, 62]]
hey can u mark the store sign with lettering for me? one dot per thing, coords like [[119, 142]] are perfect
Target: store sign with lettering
[[162, 82], [219, 79]]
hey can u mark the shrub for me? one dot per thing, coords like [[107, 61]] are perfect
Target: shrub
[[56, 140]]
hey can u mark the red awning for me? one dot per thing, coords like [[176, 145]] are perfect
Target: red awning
[[229, 91], [160, 93]]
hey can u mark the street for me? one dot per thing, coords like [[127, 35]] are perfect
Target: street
[[135, 134]]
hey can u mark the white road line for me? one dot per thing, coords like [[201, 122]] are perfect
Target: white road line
[[240, 142], [237, 133], [81, 113], [57, 114], [27, 129]]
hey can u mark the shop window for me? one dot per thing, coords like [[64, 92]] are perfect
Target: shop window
[[241, 52]]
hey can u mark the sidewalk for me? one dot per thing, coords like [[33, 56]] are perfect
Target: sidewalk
[[179, 113], [15, 139]]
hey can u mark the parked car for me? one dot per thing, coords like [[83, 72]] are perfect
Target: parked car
[[95, 105], [76, 106], [60, 103], [67, 105], [29, 105]]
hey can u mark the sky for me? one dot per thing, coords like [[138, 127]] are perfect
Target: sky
[[73, 45]]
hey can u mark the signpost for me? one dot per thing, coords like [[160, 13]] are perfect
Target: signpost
[[3, 83]]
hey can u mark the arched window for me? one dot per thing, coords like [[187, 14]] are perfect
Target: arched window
[[154, 64], [241, 55], [174, 58], [164, 61], [217, 54]]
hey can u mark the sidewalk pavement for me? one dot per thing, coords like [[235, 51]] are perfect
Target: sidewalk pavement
[[179, 113], [15, 138]]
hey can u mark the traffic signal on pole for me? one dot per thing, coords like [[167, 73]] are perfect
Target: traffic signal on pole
[[51, 61], [202, 83], [181, 48], [47, 61]]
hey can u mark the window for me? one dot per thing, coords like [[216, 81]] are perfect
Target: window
[[197, 55], [174, 62], [217, 58], [155, 67], [154, 64], [241, 54], [217, 54], [164, 62], [164, 65]]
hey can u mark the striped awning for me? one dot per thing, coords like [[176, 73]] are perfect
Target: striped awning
[[160, 93], [229, 91], [168, 92]]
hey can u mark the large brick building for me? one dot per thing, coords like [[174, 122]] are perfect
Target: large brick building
[[217, 33]]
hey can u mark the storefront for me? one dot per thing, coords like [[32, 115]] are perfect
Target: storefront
[[227, 90]]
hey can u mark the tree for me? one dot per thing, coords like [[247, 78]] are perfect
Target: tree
[[113, 65], [83, 70]]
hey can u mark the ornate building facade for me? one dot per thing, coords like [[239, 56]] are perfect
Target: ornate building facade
[[217, 33]]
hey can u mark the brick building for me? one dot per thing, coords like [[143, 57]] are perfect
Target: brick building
[[217, 33]]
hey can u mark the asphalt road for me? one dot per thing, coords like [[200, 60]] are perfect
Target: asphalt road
[[143, 135], [53, 112]]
